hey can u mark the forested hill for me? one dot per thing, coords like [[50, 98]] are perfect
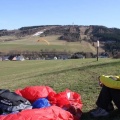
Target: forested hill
[[72, 33]]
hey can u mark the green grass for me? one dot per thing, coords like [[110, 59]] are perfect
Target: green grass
[[31, 43], [77, 75]]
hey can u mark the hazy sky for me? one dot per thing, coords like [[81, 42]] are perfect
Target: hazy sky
[[19, 13]]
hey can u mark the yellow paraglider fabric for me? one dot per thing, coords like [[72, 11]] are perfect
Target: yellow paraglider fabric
[[110, 81]]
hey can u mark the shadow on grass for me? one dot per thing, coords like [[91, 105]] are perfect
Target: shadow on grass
[[76, 68], [115, 115]]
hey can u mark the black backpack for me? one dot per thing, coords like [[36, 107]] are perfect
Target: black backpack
[[12, 102]]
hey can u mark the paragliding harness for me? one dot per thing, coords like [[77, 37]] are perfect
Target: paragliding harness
[[12, 102]]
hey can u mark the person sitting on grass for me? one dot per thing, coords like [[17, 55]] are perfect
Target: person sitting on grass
[[109, 93]]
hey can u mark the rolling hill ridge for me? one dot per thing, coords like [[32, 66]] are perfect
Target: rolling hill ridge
[[108, 37]]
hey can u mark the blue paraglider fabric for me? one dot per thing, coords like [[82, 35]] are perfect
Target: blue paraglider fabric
[[41, 103]]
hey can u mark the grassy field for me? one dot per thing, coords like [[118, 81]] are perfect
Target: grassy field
[[78, 75], [36, 43]]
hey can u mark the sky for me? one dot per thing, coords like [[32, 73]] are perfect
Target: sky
[[15, 14]]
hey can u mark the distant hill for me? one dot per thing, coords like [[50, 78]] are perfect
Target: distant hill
[[109, 37]]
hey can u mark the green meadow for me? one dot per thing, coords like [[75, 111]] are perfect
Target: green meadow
[[48, 43], [79, 75]]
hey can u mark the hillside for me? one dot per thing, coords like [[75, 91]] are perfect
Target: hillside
[[84, 37], [46, 43]]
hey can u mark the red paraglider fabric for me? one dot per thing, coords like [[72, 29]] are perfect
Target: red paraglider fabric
[[32, 93], [65, 105], [49, 113], [68, 100]]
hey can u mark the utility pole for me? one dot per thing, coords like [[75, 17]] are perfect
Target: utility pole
[[97, 49]]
